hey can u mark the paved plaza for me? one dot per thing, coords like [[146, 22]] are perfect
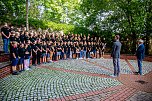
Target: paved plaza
[[79, 80]]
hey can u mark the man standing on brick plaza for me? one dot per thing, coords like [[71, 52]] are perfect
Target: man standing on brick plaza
[[115, 54], [140, 53], [5, 31]]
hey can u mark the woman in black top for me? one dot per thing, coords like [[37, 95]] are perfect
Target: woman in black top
[[39, 51], [26, 37], [34, 53], [44, 52], [14, 57], [22, 37], [17, 37], [27, 56], [21, 52]]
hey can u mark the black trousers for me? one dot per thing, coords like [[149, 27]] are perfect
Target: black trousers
[[38, 58], [34, 57]]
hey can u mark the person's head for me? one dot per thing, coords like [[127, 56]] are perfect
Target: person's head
[[31, 34], [140, 41], [21, 45], [44, 43], [5, 24], [13, 33], [28, 42], [17, 34], [117, 37], [14, 44], [34, 42], [26, 33]]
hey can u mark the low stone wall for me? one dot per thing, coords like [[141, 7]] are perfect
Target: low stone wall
[[4, 58], [5, 71]]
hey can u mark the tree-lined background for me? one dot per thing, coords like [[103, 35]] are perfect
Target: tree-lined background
[[132, 19]]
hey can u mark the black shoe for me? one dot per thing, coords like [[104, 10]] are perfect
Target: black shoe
[[34, 64], [136, 73], [15, 73]]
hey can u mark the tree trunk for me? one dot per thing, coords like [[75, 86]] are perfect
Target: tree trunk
[[148, 24], [27, 24]]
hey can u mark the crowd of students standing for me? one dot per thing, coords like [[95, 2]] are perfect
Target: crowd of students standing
[[48, 47]]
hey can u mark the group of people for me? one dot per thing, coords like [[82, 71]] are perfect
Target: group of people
[[47, 47]]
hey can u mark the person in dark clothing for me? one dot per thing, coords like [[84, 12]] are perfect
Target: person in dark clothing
[[39, 52], [88, 50], [140, 54], [34, 53], [64, 50], [21, 52], [68, 50], [14, 58], [12, 37], [44, 52], [26, 37], [17, 37], [22, 37], [27, 56], [5, 31], [59, 50]]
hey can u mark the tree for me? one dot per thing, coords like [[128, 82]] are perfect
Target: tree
[[27, 11]]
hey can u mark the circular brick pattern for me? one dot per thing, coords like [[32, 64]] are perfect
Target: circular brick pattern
[[146, 68], [43, 84]]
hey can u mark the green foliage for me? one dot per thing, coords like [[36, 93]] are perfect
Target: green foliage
[[36, 24]]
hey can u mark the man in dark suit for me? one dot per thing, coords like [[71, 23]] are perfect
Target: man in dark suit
[[115, 54], [140, 54]]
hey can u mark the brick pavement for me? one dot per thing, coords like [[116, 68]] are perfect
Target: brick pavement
[[78, 80]]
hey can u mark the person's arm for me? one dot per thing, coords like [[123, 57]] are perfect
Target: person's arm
[[9, 35], [4, 34], [113, 49], [14, 55]]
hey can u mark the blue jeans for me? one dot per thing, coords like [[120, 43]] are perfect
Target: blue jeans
[[88, 54], [116, 64], [5, 45], [140, 66], [81, 54]]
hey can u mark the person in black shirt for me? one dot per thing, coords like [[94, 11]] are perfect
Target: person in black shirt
[[31, 38], [26, 37], [84, 49], [54, 51], [34, 53], [68, 49], [77, 51], [59, 51], [17, 37], [21, 52], [14, 57], [12, 37], [27, 56], [5, 36], [81, 49], [64, 50], [74, 51], [39, 51], [88, 50], [44, 52], [48, 49], [22, 37]]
